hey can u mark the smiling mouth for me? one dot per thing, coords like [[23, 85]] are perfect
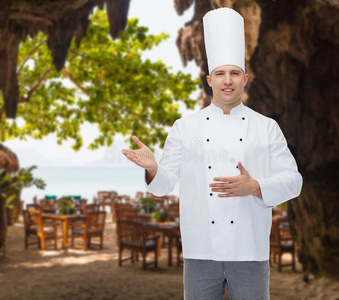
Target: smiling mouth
[[227, 90]]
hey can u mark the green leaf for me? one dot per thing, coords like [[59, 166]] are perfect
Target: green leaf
[[104, 82]]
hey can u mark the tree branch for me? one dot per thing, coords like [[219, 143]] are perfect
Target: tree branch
[[29, 56], [36, 84], [29, 94], [104, 103], [73, 80]]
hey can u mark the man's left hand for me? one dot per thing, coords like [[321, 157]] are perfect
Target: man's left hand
[[236, 186]]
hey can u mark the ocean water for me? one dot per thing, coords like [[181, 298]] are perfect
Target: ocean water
[[87, 181]]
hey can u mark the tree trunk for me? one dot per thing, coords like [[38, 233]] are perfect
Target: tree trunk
[[314, 218], [295, 75], [296, 82], [13, 213], [3, 224]]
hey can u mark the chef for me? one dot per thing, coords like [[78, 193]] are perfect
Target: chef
[[234, 166]]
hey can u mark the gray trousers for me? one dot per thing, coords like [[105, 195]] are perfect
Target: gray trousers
[[206, 280]]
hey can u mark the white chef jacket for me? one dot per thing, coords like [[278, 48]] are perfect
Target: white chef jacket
[[209, 144]]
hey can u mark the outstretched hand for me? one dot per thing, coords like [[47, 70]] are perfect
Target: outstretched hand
[[143, 157], [236, 186]]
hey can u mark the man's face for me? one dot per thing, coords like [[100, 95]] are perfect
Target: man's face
[[227, 84]]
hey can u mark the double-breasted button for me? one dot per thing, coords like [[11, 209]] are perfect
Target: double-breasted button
[[232, 222], [208, 140], [212, 222], [243, 118], [237, 167], [211, 194], [240, 139], [207, 118], [209, 167]]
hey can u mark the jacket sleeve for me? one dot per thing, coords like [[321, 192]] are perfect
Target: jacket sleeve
[[169, 165], [284, 182]]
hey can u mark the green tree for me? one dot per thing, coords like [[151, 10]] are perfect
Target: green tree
[[108, 83]]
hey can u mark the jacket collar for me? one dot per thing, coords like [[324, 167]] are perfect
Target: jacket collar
[[234, 111]]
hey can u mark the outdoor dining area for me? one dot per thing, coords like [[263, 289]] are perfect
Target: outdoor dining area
[[98, 246], [138, 241], [143, 224]]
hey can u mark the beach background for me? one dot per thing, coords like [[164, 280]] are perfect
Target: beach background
[[74, 274], [84, 172], [86, 181]]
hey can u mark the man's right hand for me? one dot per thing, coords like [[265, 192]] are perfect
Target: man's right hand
[[144, 158]]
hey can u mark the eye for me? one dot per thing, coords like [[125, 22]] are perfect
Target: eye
[[235, 73]]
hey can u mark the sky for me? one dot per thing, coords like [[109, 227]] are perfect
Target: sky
[[158, 16]]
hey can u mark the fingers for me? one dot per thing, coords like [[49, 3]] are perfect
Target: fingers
[[130, 154], [133, 157], [242, 169], [137, 141], [225, 179], [224, 185], [226, 195], [224, 189]]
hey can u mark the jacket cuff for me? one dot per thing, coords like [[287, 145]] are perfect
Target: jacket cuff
[[270, 192], [159, 181]]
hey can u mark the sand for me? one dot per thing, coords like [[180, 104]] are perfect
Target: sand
[[75, 274]]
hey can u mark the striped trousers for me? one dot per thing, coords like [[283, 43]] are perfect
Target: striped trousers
[[245, 280]]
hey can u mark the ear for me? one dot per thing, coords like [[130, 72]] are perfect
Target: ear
[[208, 78], [245, 79]]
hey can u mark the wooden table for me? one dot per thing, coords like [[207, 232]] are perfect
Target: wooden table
[[144, 217], [65, 220], [169, 229]]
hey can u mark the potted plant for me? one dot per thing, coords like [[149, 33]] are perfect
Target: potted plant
[[66, 207], [162, 215], [147, 205], [22, 179]]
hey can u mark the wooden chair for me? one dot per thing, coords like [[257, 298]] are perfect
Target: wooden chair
[[122, 199], [80, 204], [87, 209], [173, 198], [48, 205], [34, 206], [30, 230], [39, 208], [44, 201], [135, 237], [93, 227], [149, 195], [126, 213], [159, 202], [173, 209], [105, 198], [44, 230], [139, 195], [280, 244], [116, 206], [90, 208]]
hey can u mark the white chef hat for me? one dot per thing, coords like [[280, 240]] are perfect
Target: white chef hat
[[224, 38]]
